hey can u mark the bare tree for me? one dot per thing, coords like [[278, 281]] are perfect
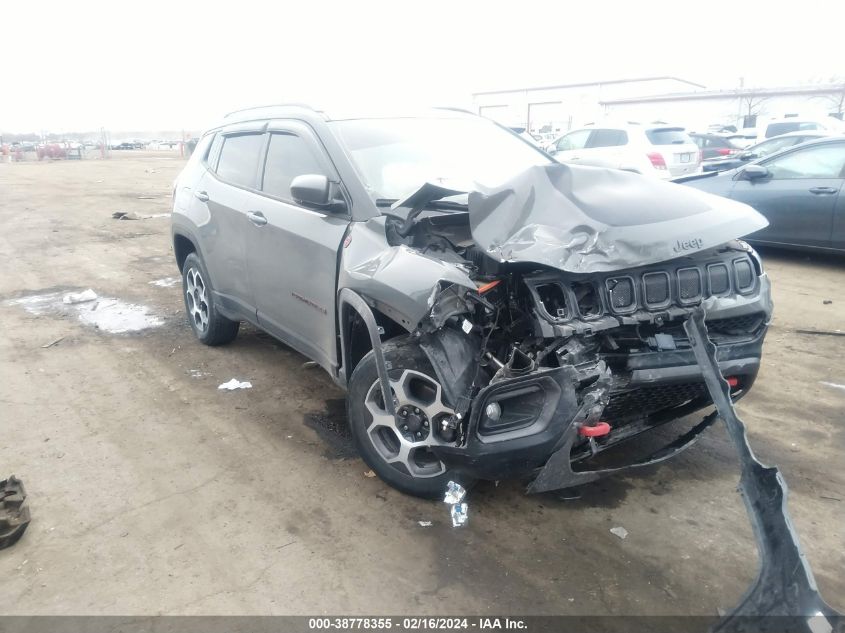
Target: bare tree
[[752, 104], [837, 97]]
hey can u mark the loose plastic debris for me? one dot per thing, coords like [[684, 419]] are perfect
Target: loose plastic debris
[[454, 496], [369, 474], [455, 493], [620, 532], [459, 515], [236, 384], [79, 297], [424, 523]]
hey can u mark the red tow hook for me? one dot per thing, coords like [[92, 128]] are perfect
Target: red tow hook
[[599, 429]]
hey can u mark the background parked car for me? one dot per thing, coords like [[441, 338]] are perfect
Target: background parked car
[[714, 146], [798, 190], [761, 150], [777, 127], [658, 150]]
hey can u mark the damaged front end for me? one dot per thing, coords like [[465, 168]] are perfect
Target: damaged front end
[[559, 328], [552, 310]]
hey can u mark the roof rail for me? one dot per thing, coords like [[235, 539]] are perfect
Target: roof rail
[[271, 105]]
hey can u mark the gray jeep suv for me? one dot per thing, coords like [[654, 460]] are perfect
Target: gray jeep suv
[[491, 313]]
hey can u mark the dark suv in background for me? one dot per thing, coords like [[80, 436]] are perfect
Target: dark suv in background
[[485, 306]]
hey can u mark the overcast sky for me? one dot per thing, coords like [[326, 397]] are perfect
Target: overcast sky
[[152, 65]]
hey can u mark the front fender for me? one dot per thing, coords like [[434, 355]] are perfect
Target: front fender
[[401, 281]]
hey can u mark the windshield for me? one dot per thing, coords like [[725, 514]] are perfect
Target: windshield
[[396, 156]]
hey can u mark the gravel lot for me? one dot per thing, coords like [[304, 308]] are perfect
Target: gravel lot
[[153, 492]]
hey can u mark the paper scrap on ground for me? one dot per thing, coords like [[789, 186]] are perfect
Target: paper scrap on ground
[[834, 385], [236, 384], [165, 282], [79, 297], [424, 523], [619, 531]]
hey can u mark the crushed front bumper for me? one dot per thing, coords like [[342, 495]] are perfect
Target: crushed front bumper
[[539, 415]]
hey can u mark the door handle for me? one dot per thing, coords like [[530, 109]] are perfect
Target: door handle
[[256, 217], [202, 196], [822, 190]]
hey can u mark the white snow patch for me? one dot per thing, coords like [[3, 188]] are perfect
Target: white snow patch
[[165, 282], [105, 313]]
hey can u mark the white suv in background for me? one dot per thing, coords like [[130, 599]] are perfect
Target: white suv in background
[[657, 149]]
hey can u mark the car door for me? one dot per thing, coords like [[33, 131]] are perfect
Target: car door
[[224, 190], [798, 195], [292, 249], [567, 148]]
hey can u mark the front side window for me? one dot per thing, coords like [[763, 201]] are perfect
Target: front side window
[[239, 157], [573, 140], [288, 156], [775, 145], [818, 161], [607, 138], [396, 156]]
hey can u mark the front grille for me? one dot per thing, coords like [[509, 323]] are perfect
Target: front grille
[[719, 279], [747, 324], [648, 400], [657, 289], [744, 274], [689, 285], [622, 293], [592, 296]]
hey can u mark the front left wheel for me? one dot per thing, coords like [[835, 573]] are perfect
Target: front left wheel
[[399, 450]]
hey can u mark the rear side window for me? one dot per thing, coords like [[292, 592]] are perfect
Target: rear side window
[[668, 136], [607, 138], [776, 129], [288, 156], [238, 162]]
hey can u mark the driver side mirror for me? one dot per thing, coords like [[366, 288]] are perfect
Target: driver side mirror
[[315, 190], [754, 172]]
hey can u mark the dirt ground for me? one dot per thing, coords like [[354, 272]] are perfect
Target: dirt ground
[[152, 492]]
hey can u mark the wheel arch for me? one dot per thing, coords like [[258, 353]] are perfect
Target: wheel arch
[[184, 245], [355, 341]]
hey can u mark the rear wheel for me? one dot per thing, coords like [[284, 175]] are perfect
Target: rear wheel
[[399, 451], [210, 327]]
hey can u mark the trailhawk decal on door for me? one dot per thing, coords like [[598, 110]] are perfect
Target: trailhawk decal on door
[[309, 303]]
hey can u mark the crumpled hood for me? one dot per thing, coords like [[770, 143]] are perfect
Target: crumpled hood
[[588, 219]]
